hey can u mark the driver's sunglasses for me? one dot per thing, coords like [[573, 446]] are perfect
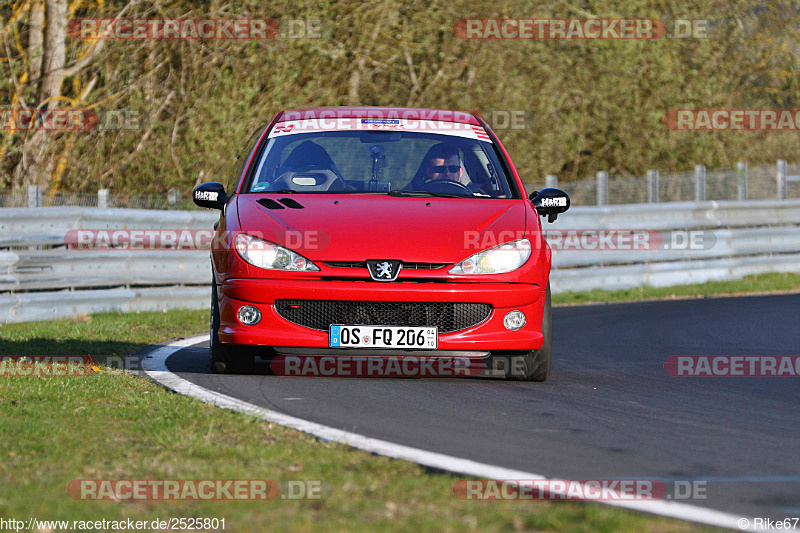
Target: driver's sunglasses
[[450, 168]]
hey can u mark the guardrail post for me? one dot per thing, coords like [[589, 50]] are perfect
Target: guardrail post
[[741, 173], [34, 196], [699, 183], [652, 186], [602, 188], [551, 181], [172, 198], [781, 177], [102, 198]]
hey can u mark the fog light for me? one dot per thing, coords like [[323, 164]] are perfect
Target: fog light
[[514, 320], [249, 315]]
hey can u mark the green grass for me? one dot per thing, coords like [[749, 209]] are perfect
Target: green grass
[[756, 284], [113, 425]]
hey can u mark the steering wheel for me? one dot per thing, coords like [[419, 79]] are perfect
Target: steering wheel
[[446, 187]]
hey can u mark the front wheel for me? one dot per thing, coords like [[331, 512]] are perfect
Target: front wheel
[[225, 358]]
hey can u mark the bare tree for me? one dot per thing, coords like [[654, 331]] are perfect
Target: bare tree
[[36, 42], [54, 50]]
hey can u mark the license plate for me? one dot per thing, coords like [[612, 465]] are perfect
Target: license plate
[[409, 337]]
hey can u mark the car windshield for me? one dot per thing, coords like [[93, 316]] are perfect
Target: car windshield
[[412, 163]]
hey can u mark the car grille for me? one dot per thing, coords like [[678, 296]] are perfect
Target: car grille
[[320, 314], [406, 266]]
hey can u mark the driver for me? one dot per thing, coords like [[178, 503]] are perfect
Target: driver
[[444, 163]]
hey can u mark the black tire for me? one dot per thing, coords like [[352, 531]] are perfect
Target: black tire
[[535, 364], [226, 358]]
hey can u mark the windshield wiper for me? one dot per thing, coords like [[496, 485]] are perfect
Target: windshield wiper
[[425, 194]]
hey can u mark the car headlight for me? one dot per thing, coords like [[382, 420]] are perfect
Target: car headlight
[[263, 254], [503, 258]]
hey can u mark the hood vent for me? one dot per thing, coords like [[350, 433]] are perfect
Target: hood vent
[[269, 203], [291, 204]]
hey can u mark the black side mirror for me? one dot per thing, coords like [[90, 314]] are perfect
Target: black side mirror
[[211, 195], [550, 202]]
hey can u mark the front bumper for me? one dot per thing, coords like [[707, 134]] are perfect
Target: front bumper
[[274, 330]]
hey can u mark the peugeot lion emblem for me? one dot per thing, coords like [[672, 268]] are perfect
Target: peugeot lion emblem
[[383, 270]]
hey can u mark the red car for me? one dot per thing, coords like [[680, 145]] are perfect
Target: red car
[[374, 231]]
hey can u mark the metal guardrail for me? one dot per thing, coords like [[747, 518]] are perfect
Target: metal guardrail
[[763, 182], [35, 196], [749, 237], [683, 215], [75, 269], [666, 274], [721, 243], [54, 222], [40, 279], [30, 306]]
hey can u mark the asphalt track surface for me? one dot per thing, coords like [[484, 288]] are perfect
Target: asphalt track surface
[[609, 409]]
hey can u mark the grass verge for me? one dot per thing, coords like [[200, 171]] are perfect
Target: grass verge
[[113, 425], [757, 284]]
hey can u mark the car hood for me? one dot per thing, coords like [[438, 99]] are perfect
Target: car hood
[[325, 227]]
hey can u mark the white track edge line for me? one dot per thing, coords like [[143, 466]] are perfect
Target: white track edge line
[[154, 365]]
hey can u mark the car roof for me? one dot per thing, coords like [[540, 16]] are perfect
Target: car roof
[[465, 117]]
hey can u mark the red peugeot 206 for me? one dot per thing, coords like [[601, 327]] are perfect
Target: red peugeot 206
[[380, 231]]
